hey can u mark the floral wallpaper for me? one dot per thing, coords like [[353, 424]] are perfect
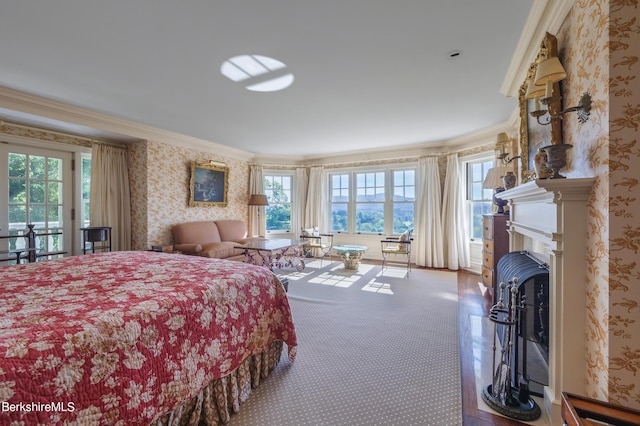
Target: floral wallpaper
[[160, 175], [599, 45]]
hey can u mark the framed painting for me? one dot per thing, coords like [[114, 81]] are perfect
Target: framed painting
[[535, 134], [209, 185]]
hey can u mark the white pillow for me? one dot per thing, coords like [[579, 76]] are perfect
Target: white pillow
[[405, 236], [310, 232]]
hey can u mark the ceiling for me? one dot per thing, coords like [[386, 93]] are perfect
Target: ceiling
[[369, 74]]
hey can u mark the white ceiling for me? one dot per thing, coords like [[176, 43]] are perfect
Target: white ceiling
[[369, 74]]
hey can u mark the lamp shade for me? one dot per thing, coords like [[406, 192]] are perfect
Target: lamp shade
[[502, 139], [493, 179], [258, 200], [534, 91], [549, 72]]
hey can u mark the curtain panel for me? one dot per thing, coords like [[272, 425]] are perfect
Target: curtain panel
[[315, 209], [110, 195], [428, 222], [300, 187], [454, 217]]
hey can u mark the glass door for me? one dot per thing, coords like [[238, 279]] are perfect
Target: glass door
[[37, 186]]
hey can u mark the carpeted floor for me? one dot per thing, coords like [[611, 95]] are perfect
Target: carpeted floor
[[373, 350]]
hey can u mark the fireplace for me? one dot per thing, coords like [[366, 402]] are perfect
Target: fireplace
[[548, 219]]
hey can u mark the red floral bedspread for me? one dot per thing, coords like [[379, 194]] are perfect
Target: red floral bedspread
[[124, 337]]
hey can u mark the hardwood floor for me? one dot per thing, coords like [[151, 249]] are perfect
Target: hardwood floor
[[472, 302]]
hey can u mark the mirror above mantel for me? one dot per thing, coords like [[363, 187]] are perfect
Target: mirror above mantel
[[532, 134]]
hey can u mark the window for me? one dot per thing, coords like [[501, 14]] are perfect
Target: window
[[38, 192], [278, 188], [404, 196], [372, 201], [85, 166], [479, 199], [369, 204], [339, 202]]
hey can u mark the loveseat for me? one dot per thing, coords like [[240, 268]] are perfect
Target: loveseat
[[211, 238]]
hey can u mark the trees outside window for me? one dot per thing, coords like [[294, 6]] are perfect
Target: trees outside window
[[278, 190], [380, 201]]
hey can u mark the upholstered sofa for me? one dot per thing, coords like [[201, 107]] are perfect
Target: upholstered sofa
[[211, 238]]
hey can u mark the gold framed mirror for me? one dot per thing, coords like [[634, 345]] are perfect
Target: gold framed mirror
[[534, 135]]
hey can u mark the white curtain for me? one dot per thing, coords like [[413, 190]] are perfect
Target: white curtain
[[298, 209], [256, 186], [428, 223], [454, 217], [314, 212], [110, 197]]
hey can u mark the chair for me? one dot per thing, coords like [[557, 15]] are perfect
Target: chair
[[397, 246], [315, 244]]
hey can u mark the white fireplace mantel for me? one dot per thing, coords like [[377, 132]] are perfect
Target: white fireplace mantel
[[548, 218]]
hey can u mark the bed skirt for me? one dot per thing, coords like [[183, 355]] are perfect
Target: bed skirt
[[216, 402]]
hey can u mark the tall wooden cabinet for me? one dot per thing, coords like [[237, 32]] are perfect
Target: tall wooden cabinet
[[495, 243]]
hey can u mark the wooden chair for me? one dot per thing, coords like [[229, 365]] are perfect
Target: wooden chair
[[393, 246], [316, 245]]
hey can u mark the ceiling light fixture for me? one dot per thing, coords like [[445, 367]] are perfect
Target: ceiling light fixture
[[257, 73]]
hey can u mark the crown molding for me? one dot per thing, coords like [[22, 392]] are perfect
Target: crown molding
[[544, 16], [402, 152], [38, 106]]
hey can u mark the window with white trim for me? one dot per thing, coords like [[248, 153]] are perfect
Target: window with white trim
[[373, 200], [278, 189], [479, 200]]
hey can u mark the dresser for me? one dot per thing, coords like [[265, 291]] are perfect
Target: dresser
[[495, 243]]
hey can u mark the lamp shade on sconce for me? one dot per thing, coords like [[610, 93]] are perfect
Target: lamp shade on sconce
[[502, 139], [533, 91], [549, 72], [493, 179], [258, 200]]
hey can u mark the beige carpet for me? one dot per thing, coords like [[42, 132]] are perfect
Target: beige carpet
[[373, 350]]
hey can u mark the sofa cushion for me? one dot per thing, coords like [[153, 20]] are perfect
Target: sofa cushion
[[231, 230], [202, 232], [220, 250]]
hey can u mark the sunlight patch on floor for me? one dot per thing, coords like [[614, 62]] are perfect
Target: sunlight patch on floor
[[393, 272], [309, 268], [338, 276], [376, 286]]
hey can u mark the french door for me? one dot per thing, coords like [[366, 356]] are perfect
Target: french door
[[36, 187]]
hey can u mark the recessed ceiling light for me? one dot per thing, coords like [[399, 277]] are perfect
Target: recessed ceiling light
[[257, 73]]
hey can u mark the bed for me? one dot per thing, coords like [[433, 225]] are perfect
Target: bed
[[143, 338]]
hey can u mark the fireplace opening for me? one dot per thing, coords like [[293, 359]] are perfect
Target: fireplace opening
[[530, 359]]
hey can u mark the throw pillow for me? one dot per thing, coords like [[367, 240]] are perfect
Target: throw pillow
[[310, 232]]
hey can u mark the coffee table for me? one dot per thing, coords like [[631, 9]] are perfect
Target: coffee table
[[351, 255], [276, 253]]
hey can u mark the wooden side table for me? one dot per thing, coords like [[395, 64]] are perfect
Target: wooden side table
[[495, 244], [96, 234]]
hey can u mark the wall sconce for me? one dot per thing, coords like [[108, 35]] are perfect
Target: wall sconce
[[502, 154], [540, 89]]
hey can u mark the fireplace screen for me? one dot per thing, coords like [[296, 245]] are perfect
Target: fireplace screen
[[530, 361]]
